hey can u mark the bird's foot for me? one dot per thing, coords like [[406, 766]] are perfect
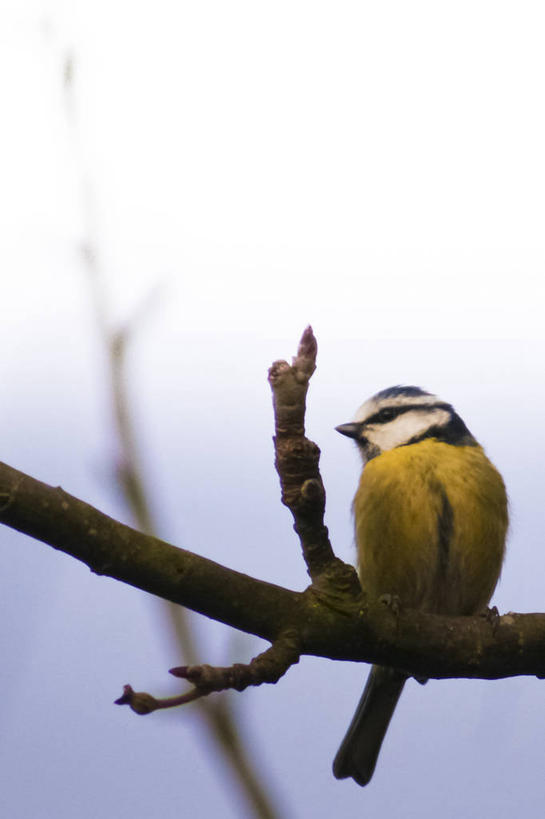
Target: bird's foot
[[491, 616], [392, 601]]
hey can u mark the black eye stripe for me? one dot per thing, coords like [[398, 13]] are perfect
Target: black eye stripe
[[386, 414]]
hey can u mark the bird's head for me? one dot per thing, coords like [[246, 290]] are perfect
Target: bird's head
[[398, 416]]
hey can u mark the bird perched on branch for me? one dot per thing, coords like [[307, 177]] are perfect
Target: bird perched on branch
[[431, 519]]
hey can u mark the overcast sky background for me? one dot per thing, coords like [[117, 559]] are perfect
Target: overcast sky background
[[374, 169]]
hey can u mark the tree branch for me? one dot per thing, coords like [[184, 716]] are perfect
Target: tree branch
[[296, 462], [267, 667], [421, 644], [111, 548]]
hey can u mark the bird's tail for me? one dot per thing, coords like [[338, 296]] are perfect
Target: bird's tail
[[360, 748]]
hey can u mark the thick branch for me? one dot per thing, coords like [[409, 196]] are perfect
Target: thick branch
[[422, 644], [110, 548]]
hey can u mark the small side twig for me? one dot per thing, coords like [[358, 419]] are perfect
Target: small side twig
[[267, 667]]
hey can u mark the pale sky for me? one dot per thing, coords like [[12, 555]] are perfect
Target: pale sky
[[375, 169]]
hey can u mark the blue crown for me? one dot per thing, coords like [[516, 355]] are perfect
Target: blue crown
[[394, 392]]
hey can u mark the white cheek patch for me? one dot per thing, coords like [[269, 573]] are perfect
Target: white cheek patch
[[409, 425]]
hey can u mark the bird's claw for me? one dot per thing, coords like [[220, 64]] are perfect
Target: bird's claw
[[392, 601]]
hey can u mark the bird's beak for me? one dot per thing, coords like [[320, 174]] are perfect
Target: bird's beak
[[352, 430]]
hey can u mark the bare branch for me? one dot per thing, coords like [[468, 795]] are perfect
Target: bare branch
[[267, 667], [421, 644], [111, 548], [296, 462]]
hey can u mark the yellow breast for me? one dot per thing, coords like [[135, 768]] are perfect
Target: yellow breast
[[431, 520]]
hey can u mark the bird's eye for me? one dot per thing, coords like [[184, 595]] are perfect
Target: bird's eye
[[387, 414]]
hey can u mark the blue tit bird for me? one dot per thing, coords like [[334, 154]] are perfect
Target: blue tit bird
[[430, 521]]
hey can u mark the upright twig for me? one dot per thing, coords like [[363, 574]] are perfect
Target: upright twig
[[297, 464]]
